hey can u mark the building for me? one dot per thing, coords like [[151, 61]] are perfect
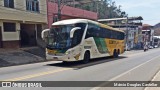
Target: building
[[133, 35], [132, 27], [67, 12], [148, 34], [21, 22]]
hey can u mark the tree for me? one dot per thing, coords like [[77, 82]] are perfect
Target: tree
[[104, 8]]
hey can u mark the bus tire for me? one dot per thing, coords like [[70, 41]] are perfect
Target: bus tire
[[86, 57], [118, 51], [115, 54]]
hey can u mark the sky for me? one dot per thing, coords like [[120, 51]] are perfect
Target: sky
[[148, 9]]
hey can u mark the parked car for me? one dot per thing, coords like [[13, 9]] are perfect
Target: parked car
[[151, 47], [155, 46]]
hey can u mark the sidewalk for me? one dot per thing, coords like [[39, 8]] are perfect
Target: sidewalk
[[9, 57], [155, 78], [132, 51]]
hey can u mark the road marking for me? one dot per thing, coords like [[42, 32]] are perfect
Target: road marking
[[38, 74], [42, 73], [114, 78]]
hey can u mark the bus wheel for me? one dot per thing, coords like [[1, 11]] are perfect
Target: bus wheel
[[118, 51], [115, 54], [86, 57]]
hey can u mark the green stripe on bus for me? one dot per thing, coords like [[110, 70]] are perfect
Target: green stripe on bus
[[97, 41], [101, 45]]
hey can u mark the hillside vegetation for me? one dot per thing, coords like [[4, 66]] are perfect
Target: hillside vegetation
[[157, 29]]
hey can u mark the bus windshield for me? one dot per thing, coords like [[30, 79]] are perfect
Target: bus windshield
[[59, 37]]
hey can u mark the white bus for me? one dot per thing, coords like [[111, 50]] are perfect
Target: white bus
[[82, 39]]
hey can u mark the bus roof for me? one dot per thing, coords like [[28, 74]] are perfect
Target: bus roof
[[74, 21], [70, 21]]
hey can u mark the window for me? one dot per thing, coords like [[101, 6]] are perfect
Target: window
[[120, 36], [32, 5], [114, 35], [77, 38], [92, 31], [105, 33], [9, 27], [100, 32], [9, 3]]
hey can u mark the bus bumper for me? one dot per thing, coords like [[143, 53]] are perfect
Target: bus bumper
[[61, 58]]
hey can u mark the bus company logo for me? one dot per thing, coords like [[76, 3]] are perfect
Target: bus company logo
[[6, 84]]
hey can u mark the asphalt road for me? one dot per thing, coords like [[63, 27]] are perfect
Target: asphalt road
[[131, 66]]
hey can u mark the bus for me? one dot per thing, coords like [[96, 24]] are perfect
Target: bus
[[82, 39]]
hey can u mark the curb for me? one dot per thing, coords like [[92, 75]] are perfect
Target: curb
[[157, 75]]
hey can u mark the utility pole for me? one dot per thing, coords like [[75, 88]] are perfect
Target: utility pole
[[127, 32], [110, 12], [97, 8], [59, 10]]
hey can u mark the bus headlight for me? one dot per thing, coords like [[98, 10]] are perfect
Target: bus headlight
[[68, 52]]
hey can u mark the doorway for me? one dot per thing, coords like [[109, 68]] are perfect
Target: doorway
[[28, 35]]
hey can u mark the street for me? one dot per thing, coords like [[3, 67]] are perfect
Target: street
[[130, 66]]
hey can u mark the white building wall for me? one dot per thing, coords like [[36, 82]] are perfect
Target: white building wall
[[9, 36], [19, 15]]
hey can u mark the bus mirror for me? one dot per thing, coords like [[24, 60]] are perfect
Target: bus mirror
[[73, 30], [44, 34]]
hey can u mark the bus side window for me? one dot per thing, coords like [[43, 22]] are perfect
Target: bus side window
[[105, 33], [77, 37], [89, 31], [92, 31], [115, 35], [121, 36]]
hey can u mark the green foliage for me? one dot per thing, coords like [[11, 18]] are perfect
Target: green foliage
[[105, 9]]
